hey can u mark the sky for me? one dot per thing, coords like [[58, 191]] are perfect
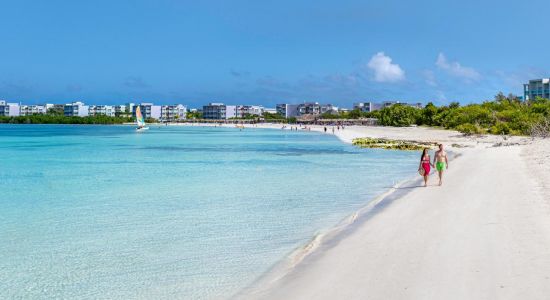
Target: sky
[[259, 52]]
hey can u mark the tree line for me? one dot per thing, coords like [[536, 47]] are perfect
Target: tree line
[[503, 115], [50, 118]]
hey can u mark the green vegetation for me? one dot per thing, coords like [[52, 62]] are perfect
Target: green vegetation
[[391, 144], [503, 115], [194, 115], [269, 116], [55, 118]]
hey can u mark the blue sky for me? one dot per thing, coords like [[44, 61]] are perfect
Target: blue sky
[[248, 52]]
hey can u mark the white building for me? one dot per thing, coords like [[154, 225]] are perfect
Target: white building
[[329, 108], [366, 106], [309, 108], [148, 110], [244, 110], [171, 113], [230, 111], [9, 109], [130, 107], [106, 110], [76, 109], [287, 110], [120, 109], [29, 110]]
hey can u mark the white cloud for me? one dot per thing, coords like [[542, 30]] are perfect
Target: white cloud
[[456, 69], [384, 70]]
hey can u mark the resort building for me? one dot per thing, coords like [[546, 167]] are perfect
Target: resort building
[[220, 111], [287, 110], [29, 110], [537, 88], [129, 108], [214, 111], [244, 110], [365, 106], [122, 111], [106, 110], [171, 113], [148, 110], [309, 108], [76, 109], [9, 109], [329, 108], [230, 111]]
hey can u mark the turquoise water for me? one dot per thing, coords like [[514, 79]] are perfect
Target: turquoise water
[[102, 212]]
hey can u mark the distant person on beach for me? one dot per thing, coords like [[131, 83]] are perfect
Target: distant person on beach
[[325, 129], [424, 167], [441, 162]]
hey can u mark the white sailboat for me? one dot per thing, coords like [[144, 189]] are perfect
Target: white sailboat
[[139, 120]]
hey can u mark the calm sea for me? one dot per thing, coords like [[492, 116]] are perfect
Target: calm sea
[[103, 212]]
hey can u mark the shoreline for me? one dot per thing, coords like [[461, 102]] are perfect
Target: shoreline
[[318, 273], [320, 241]]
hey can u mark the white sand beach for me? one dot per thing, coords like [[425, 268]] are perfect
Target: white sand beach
[[484, 234]]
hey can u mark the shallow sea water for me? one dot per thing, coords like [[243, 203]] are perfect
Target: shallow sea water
[[103, 212]]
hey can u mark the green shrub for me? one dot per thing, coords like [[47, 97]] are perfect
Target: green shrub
[[500, 128], [469, 129]]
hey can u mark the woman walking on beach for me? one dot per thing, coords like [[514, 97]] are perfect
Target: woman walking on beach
[[424, 167]]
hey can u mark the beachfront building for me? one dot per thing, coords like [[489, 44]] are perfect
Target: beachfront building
[[245, 110], [366, 106], [122, 111], [287, 110], [148, 110], [214, 111], [171, 113], [329, 108], [129, 108], [105, 110], [9, 109], [230, 111], [309, 108], [537, 88], [76, 109], [29, 110]]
